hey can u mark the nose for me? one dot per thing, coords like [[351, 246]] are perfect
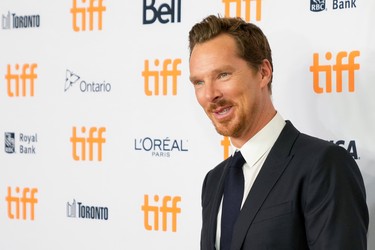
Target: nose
[[211, 92]]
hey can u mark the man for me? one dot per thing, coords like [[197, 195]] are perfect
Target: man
[[299, 192]]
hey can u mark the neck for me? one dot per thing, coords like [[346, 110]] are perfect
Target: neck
[[265, 118]]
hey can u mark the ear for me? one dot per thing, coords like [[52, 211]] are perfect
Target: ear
[[265, 70]]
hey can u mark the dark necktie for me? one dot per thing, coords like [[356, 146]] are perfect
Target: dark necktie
[[233, 194]]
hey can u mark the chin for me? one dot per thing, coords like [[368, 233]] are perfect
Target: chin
[[231, 130], [224, 131]]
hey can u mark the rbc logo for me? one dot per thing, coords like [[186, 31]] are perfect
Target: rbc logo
[[317, 5], [10, 143], [339, 67], [165, 13]]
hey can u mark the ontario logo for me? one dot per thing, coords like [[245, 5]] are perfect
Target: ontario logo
[[77, 209], [73, 80], [161, 147]]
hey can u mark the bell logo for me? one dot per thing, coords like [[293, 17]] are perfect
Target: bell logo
[[165, 73], [95, 6], [165, 13], [238, 8], [95, 137], [339, 67], [26, 197], [169, 206], [226, 144], [27, 77]]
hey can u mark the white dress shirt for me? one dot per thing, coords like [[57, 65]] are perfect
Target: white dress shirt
[[255, 152]]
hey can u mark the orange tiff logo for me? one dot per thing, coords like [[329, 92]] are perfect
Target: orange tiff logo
[[27, 78], [22, 200], [350, 66], [166, 72], [95, 137], [169, 206], [238, 7], [226, 145], [94, 7]]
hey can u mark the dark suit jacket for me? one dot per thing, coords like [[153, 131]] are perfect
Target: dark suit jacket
[[309, 194]]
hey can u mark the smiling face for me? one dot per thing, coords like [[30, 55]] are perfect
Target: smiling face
[[234, 95]]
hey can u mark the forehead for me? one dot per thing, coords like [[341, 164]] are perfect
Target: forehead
[[214, 54], [221, 43]]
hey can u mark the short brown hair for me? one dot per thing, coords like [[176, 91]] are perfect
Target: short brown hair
[[251, 42]]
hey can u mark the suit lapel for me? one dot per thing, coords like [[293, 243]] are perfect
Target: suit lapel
[[271, 171], [215, 206]]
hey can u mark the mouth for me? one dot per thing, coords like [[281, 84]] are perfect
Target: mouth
[[223, 113]]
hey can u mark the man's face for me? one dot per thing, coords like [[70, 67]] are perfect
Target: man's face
[[230, 91]]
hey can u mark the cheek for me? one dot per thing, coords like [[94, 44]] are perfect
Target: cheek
[[199, 96], [245, 100]]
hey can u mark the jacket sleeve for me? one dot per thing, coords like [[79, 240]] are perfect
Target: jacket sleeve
[[335, 210]]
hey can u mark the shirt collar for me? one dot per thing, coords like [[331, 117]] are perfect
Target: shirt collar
[[261, 142]]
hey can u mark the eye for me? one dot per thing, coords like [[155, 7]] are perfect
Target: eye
[[223, 75], [197, 83]]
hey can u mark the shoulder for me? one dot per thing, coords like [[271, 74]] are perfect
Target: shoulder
[[326, 162], [316, 147], [216, 173], [301, 143], [309, 152]]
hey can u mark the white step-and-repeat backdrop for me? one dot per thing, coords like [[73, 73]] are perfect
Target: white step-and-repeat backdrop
[[103, 143]]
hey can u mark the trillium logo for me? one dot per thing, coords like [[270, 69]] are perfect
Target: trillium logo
[[70, 79]]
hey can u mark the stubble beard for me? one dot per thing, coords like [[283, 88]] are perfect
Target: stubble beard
[[231, 128]]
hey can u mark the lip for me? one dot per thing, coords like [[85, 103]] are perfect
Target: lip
[[223, 113]]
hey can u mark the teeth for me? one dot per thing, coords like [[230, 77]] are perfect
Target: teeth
[[223, 111]]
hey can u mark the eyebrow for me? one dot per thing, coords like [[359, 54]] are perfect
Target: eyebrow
[[227, 67], [193, 78]]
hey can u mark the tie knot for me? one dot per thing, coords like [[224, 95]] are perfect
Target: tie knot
[[237, 160]]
